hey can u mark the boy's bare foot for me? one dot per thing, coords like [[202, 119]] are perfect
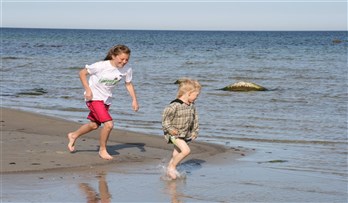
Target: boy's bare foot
[[105, 155], [171, 173], [71, 144]]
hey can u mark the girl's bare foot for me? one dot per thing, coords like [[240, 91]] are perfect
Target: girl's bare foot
[[105, 155], [71, 144]]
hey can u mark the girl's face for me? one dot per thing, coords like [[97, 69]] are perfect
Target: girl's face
[[192, 96], [120, 60]]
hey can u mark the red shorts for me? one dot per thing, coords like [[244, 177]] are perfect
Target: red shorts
[[99, 112]]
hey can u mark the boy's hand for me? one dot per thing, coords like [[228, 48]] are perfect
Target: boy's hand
[[193, 137], [174, 132]]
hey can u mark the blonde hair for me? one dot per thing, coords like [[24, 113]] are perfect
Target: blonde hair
[[188, 85]]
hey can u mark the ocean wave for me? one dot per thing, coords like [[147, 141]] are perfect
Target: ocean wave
[[33, 92], [73, 68], [13, 58], [284, 141], [72, 109], [48, 45]]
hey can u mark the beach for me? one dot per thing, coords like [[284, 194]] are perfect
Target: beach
[[37, 167], [287, 144], [40, 144]]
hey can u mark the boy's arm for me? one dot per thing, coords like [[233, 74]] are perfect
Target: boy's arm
[[167, 117], [195, 129]]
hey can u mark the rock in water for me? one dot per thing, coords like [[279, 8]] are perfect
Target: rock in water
[[244, 87]]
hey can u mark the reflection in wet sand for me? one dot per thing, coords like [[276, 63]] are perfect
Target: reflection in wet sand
[[92, 196], [171, 187]]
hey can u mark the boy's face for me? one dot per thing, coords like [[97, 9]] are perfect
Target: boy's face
[[193, 96]]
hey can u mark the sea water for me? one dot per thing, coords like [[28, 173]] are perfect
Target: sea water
[[300, 124]]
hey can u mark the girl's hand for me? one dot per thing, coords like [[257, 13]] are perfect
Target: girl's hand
[[135, 106], [88, 95]]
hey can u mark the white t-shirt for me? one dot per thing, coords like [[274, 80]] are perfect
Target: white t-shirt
[[104, 77]]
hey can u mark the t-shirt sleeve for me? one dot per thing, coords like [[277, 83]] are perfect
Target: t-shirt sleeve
[[129, 75], [93, 68]]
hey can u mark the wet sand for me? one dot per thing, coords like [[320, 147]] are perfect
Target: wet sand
[[34, 153], [33, 142], [36, 166]]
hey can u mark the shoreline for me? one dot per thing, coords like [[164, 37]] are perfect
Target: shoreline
[[33, 142]]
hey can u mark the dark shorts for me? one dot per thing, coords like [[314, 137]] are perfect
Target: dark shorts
[[171, 139], [99, 112]]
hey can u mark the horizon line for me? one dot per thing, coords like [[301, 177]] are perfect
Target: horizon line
[[198, 30]]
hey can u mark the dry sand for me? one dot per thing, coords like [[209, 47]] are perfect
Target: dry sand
[[32, 142]]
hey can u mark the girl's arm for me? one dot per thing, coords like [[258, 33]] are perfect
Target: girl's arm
[[83, 77], [131, 91]]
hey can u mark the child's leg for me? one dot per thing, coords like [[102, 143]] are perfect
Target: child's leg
[[104, 136], [175, 152], [171, 171], [86, 128], [181, 150]]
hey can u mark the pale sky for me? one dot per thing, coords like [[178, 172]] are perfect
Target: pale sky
[[176, 15]]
